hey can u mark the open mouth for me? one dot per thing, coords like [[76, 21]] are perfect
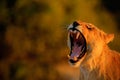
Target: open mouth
[[78, 45]]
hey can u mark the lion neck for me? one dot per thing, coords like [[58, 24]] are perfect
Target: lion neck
[[94, 58]]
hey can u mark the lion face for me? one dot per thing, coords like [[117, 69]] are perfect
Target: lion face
[[85, 39]]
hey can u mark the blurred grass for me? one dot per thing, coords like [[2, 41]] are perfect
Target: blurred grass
[[33, 36]]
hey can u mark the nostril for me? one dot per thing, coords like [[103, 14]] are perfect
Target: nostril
[[75, 24]]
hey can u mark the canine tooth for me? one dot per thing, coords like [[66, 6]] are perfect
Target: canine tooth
[[68, 56], [75, 31], [75, 58], [77, 35]]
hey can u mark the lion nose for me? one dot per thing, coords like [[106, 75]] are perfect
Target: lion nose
[[75, 24]]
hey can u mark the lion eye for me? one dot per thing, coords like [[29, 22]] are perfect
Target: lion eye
[[89, 27]]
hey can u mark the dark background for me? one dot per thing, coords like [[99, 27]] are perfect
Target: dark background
[[33, 35]]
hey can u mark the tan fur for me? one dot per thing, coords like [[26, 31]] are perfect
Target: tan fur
[[99, 62]]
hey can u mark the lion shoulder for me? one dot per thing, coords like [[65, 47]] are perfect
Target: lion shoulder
[[112, 65]]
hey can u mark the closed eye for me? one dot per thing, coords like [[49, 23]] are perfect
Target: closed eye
[[90, 28]]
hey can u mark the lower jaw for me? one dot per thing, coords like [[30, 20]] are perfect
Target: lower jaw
[[79, 62]]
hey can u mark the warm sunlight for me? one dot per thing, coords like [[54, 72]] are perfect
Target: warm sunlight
[[33, 35]]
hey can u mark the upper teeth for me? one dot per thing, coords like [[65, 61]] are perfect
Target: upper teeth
[[74, 31], [77, 35]]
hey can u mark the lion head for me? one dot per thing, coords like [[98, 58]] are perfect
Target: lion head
[[85, 40]]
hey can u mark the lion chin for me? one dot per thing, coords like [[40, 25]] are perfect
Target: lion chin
[[89, 51]]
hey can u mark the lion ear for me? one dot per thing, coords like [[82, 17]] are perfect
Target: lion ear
[[109, 37]]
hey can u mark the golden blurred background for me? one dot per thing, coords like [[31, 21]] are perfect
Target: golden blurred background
[[33, 35]]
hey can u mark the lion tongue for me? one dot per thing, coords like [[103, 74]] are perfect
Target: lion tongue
[[76, 51]]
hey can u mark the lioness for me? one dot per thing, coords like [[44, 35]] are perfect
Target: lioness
[[89, 50]]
